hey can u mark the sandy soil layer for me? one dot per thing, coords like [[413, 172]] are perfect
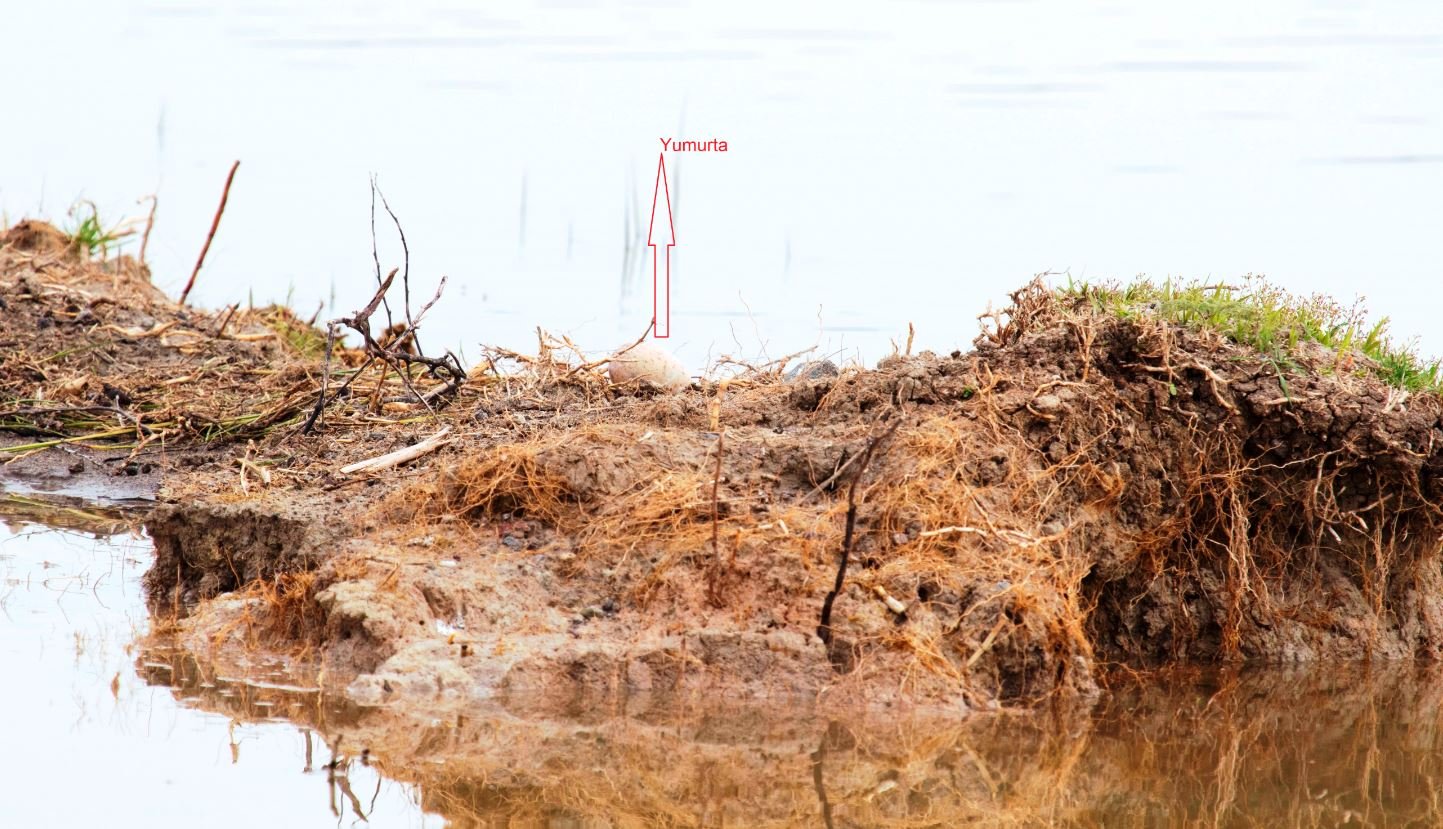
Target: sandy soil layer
[[1080, 488]]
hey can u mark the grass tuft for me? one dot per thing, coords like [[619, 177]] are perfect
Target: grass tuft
[[1272, 321], [89, 236]]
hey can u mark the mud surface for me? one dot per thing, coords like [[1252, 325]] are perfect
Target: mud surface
[[1079, 489]]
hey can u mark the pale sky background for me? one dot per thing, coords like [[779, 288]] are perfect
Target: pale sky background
[[896, 162]]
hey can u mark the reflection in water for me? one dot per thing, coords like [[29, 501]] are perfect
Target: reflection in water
[[88, 740], [160, 734], [1271, 747]]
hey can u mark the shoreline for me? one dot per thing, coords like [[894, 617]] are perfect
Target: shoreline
[[1083, 488]]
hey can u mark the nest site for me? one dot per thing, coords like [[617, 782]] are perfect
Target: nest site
[[1138, 475]]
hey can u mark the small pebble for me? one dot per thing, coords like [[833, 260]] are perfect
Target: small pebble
[[1046, 403], [812, 370]]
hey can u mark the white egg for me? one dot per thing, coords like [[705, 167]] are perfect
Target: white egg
[[649, 364]]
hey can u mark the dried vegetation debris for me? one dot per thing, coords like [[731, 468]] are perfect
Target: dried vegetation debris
[[92, 353], [1083, 487]]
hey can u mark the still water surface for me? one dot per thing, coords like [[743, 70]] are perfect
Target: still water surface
[[888, 162], [100, 728], [94, 736]]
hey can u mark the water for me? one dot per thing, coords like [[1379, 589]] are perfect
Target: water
[[103, 724], [94, 736], [896, 162]]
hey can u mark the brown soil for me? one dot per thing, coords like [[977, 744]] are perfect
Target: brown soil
[[1080, 489]]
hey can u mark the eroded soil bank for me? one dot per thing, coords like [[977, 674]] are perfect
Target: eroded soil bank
[[1080, 488]]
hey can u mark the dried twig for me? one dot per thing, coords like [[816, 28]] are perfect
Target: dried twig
[[713, 587], [149, 223], [405, 454], [405, 263], [230, 312], [376, 257], [824, 628], [597, 363], [399, 354], [893, 604], [214, 224]]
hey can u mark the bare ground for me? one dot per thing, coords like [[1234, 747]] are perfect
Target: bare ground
[[1077, 490]]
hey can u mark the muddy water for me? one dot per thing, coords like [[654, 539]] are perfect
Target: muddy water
[[98, 730], [887, 162]]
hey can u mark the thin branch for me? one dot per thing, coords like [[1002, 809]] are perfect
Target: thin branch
[[595, 363], [214, 224], [405, 262], [375, 257], [149, 223], [325, 381], [714, 576], [393, 356], [824, 628], [405, 454]]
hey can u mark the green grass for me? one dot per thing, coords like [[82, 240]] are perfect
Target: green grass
[[89, 235], [1273, 322], [305, 340]]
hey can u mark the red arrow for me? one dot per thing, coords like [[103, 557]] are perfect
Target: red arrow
[[661, 279]]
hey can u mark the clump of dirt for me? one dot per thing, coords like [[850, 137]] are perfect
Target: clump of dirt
[[1081, 488], [204, 550], [33, 236]]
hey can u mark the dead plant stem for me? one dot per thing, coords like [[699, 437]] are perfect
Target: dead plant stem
[[209, 237], [824, 628]]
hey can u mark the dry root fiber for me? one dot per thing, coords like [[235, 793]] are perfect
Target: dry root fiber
[[1081, 488]]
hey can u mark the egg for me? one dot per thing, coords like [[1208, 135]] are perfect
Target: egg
[[647, 363]]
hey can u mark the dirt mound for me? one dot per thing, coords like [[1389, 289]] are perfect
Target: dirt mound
[[32, 236], [1085, 486], [1082, 488], [92, 355]]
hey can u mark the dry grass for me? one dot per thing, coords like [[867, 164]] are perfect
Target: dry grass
[[1083, 474], [279, 612], [1008, 513], [93, 355]]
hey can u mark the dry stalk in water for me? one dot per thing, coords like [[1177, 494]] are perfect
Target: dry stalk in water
[[149, 223]]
